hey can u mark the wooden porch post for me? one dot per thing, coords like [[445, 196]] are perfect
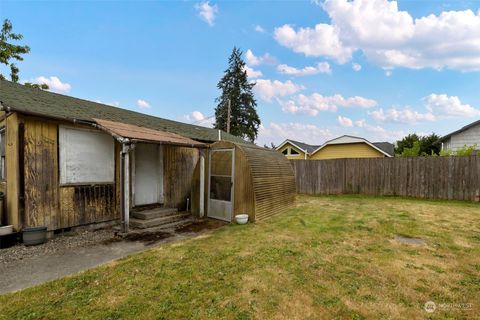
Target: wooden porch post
[[125, 186]]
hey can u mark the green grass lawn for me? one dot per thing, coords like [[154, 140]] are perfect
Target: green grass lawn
[[329, 257]]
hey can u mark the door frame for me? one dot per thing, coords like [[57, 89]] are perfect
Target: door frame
[[232, 188], [161, 172]]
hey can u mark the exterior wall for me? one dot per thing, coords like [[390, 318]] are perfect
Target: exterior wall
[[3, 183], [350, 150], [32, 158], [47, 203], [299, 156], [12, 169], [179, 165], [468, 137]]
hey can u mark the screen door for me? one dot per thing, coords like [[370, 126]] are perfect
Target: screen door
[[221, 184]]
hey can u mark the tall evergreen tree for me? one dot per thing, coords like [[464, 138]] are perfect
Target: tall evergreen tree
[[244, 120]]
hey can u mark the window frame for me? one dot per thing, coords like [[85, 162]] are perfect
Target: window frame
[[61, 165]]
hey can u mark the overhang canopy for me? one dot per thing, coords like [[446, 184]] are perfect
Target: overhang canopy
[[133, 132]]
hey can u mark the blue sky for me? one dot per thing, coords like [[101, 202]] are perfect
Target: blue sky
[[377, 69]]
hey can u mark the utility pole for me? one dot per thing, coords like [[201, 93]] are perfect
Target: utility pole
[[228, 115]]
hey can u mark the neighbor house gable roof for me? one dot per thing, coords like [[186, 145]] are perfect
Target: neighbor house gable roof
[[386, 146], [306, 148], [464, 128], [17, 97], [346, 139]]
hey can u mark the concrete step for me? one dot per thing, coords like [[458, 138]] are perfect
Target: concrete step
[[154, 213], [159, 221]]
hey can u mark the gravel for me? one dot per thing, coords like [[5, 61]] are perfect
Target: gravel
[[58, 244]]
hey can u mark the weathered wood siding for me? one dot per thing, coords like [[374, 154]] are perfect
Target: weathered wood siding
[[41, 174], [456, 178], [179, 165], [59, 206], [12, 169], [81, 205]]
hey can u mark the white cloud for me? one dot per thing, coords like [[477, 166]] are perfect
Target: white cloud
[[436, 105], [207, 12], [277, 132], [378, 133], [112, 103], [406, 115], [344, 121], [259, 29], [389, 37], [323, 40], [251, 73], [54, 83], [142, 104], [449, 106], [356, 67], [321, 67], [198, 118], [268, 89], [253, 60], [313, 104]]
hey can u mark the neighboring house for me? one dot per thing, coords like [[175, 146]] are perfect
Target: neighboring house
[[67, 162], [469, 135], [341, 147], [295, 150]]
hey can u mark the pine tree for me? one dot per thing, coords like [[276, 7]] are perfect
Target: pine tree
[[244, 120]]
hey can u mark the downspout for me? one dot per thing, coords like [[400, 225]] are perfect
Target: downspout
[[202, 183], [125, 184]]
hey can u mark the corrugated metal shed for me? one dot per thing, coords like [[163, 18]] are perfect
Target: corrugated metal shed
[[263, 184]]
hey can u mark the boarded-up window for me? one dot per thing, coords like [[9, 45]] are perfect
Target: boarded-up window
[[2, 154], [86, 156]]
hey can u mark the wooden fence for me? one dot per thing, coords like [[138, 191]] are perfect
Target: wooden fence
[[421, 177]]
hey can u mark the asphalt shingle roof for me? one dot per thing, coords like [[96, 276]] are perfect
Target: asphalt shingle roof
[[386, 147], [44, 103], [308, 147]]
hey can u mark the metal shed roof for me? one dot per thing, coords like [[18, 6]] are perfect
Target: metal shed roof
[[134, 132]]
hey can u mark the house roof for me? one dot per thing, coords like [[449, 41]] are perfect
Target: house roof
[[133, 132], [386, 146], [346, 139], [307, 148], [468, 126], [38, 102]]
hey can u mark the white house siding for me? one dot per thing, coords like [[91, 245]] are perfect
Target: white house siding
[[468, 137]]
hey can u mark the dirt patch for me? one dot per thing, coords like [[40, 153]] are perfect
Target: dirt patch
[[148, 238], [201, 225], [411, 241]]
